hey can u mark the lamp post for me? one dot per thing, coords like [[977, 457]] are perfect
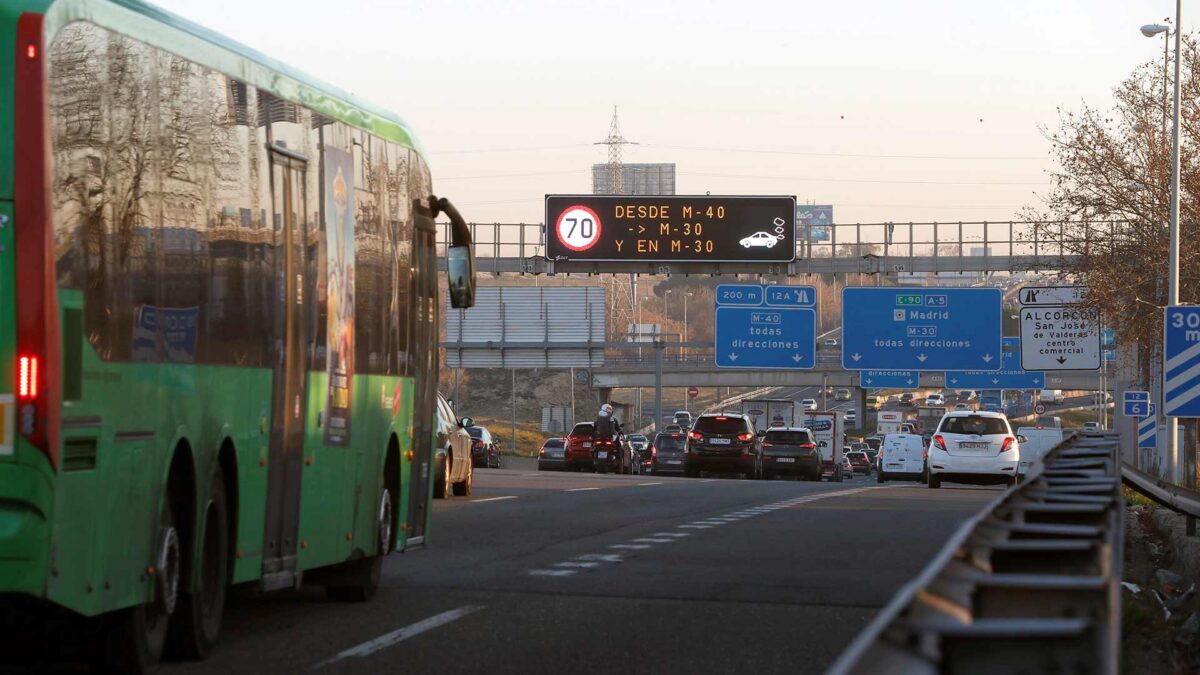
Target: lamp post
[[1150, 30], [1173, 228]]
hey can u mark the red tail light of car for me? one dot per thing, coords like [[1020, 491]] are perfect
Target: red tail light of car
[[1007, 442], [808, 446], [542, 451], [745, 437], [695, 435], [941, 442], [769, 445]]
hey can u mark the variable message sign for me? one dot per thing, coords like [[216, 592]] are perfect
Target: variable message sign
[[702, 229]]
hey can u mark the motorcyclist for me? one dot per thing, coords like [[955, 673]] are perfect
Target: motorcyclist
[[606, 424]]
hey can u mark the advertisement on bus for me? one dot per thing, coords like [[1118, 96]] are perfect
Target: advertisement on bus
[[339, 231]]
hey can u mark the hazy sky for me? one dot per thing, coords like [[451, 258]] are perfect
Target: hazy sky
[[508, 96]]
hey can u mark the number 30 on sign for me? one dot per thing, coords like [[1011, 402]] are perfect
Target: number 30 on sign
[[578, 228]]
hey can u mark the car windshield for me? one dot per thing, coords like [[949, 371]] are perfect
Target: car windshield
[[721, 425], [554, 443], [637, 438], [582, 429], [787, 437], [974, 425], [476, 432]]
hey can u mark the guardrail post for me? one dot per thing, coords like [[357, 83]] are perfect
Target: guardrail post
[[659, 345]]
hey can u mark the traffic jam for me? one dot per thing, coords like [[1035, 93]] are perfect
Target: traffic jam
[[951, 436]]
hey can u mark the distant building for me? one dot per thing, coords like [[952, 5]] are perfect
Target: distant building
[[637, 179]]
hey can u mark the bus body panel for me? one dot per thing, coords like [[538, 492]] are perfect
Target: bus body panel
[[83, 536]]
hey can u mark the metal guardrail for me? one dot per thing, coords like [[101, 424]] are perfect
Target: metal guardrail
[[1170, 495], [1028, 585]]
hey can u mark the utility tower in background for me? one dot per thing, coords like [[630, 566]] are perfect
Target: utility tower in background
[[616, 168]]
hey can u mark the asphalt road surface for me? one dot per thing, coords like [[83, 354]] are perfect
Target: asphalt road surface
[[579, 573]]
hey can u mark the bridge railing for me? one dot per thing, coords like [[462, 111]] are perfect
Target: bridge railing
[[948, 240], [1029, 584]]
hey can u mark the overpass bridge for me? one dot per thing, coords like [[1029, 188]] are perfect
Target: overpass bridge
[[698, 370], [846, 248]]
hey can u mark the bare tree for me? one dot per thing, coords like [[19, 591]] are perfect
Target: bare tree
[[1110, 199]]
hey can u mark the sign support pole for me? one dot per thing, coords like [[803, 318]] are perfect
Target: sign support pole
[[658, 368], [1177, 467]]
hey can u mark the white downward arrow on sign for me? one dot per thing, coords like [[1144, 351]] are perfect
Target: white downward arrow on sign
[[987, 358], [856, 356], [733, 357], [796, 358], [921, 358]]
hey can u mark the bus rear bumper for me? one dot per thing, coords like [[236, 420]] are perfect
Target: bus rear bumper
[[24, 531]]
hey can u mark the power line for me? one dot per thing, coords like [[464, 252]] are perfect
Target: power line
[[481, 151], [854, 155], [858, 180]]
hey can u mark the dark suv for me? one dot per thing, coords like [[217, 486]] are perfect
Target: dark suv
[[790, 452], [722, 443]]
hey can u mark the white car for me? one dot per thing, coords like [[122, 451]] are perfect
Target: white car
[[1091, 428], [851, 415], [935, 399], [760, 240], [809, 404], [974, 447]]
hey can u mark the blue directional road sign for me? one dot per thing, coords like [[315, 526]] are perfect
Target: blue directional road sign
[[1181, 362], [921, 328], [791, 296], [765, 337], [1148, 432], [888, 379], [1010, 375], [742, 295], [1136, 404]]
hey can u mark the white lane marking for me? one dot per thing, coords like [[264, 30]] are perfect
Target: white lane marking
[[601, 557], [632, 546], [552, 573], [388, 639], [652, 540], [645, 484], [581, 489], [671, 534], [577, 563], [492, 499], [698, 527]]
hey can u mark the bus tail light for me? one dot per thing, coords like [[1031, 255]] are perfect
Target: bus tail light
[[37, 300], [27, 378]]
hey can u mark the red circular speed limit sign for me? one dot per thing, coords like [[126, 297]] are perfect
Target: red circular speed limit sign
[[578, 228], [693, 392], [1039, 408]]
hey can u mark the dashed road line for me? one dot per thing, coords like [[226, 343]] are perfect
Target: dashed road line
[[631, 546], [577, 563], [583, 489], [652, 540], [492, 499], [388, 639], [551, 573]]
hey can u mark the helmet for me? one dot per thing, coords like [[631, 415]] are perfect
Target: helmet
[[606, 410]]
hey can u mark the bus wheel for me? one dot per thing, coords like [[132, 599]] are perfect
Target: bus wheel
[[358, 580], [195, 627], [134, 640], [441, 484]]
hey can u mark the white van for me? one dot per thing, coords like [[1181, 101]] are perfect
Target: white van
[[901, 457], [1038, 441], [1052, 396]]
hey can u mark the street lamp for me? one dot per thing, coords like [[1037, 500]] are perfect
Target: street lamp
[[1151, 30], [1173, 269]]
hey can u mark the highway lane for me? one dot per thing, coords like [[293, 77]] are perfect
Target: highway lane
[[550, 572]]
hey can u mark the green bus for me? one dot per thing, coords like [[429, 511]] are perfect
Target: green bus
[[218, 327]]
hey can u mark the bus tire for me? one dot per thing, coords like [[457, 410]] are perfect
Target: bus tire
[[135, 636], [358, 580], [197, 622], [441, 483]]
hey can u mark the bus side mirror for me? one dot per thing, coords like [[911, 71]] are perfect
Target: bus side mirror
[[460, 256]]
